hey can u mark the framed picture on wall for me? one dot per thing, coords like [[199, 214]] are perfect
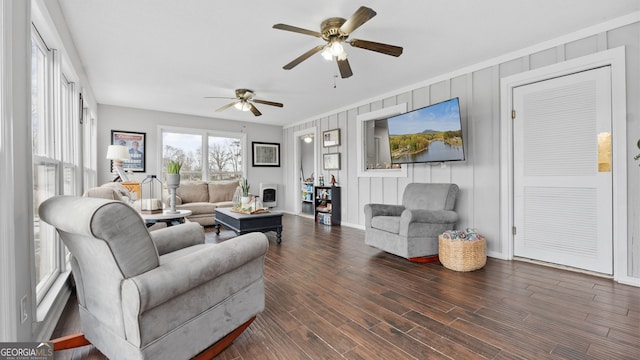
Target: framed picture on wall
[[331, 138], [331, 161], [135, 142], [265, 154]]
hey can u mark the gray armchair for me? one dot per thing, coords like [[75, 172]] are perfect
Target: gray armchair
[[411, 230], [159, 295]]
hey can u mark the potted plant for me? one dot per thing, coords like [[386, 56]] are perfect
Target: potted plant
[[173, 173], [244, 186]]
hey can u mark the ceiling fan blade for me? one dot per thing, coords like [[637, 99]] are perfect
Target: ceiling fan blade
[[345, 68], [296, 29], [267, 102], [375, 46], [361, 16], [254, 110], [218, 97], [227, 106], [303, 57]]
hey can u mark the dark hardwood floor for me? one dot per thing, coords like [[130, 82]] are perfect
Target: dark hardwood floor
[[329, 296]]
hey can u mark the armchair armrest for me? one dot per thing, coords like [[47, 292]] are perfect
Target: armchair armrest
[[427, 216], [371, 210], [177, 237], [165, 282]]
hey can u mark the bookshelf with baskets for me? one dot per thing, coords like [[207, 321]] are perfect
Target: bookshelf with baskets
[[327, 205]]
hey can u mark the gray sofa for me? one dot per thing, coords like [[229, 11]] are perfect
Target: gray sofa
[[155, 295], [202, 198], [411, 230]]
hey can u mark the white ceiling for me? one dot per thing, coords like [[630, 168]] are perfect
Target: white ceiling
[[167, 55]]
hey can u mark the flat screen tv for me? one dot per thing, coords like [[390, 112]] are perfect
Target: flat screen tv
[[429, 134]]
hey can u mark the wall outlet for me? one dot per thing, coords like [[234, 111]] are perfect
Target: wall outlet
[[24, 315]]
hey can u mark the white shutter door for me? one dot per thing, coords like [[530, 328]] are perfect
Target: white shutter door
[[562, 171]]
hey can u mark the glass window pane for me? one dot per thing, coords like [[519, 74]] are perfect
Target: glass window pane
[[44, 187], [69, 179], [38, 100], [225, 158], [186, 148]]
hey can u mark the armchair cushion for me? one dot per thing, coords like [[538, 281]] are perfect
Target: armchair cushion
[[389, 224], [177, 237]]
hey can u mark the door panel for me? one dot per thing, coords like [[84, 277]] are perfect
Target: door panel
[[562, 171]]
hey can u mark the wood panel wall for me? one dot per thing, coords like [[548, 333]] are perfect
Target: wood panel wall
[[479, 176]]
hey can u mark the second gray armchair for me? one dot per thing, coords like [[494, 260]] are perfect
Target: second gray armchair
[[411, 230]]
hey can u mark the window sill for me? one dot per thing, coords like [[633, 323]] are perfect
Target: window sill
[[51, 307]]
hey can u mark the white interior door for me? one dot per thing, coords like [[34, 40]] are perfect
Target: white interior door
[[562, 171]]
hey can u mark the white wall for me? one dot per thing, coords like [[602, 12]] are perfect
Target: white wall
[[148, 121], [479, 176]]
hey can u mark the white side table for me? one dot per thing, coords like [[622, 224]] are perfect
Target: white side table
[[166, 217]]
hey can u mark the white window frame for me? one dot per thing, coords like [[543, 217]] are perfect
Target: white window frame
[[361, 120]]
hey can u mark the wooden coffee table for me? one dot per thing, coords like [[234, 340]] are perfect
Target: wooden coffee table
[[246, 223]]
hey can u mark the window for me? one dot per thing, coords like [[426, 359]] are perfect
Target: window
[[89, 146], [222, 152], [374, 158], [56, 141], [45, 167]]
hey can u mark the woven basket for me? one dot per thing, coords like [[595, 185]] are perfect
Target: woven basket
[[462, 255]]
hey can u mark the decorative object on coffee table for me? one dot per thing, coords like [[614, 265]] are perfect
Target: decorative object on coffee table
[[151, 197], [244, 186], [173, 181]]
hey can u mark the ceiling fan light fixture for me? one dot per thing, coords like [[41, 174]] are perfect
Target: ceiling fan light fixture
[[243, 106], [308, 138], [326, 53], [336, 47]]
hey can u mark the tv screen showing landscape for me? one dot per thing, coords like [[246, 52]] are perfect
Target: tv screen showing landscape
[[429, 134]]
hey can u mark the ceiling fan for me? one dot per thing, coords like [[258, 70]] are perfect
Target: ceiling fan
[[335, 32], [244, 101]]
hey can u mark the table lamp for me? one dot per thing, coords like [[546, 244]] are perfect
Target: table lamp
[[117, 154]]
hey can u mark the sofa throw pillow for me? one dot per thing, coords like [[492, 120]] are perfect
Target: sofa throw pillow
[[193, 191], [222, 191]]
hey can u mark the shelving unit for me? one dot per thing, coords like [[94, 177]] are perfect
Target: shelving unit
[[307, 192], [327, 205]]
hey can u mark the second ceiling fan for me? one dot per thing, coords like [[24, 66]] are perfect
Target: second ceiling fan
[[335, 32], [244, 101]]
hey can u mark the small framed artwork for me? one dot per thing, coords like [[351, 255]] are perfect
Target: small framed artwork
[[331, 161], [266, 154], [331, 138], [136, 142]]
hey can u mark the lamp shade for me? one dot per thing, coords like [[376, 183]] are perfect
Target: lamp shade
[[118, 152]]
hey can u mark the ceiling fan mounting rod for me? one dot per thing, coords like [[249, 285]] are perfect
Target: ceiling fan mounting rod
[[244, 94]]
